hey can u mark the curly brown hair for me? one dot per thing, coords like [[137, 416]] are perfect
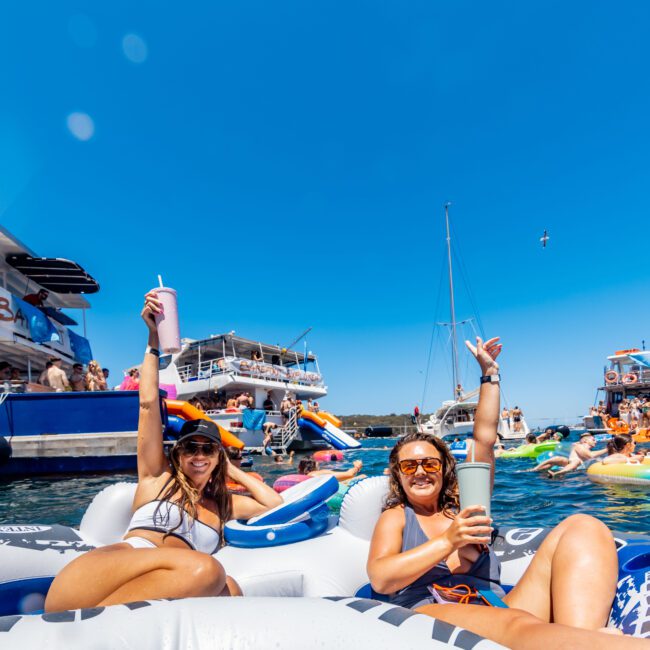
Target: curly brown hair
[[447, 499], [180, 490]]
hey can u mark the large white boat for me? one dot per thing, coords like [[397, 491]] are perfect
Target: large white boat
[[455, 417], [221, 367], [627, 376], [43, 431]]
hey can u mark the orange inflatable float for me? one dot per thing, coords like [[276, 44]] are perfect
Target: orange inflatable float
[[642, 435], [188, 412], [238, 488], [314, 417], [618, 426], [330, 418]]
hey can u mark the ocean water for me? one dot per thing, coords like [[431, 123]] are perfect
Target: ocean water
[[520, 498]]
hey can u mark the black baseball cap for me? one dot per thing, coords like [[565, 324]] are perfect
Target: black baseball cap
[[206, 428]]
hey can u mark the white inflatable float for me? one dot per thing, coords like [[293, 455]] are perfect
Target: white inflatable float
[[332, 604]]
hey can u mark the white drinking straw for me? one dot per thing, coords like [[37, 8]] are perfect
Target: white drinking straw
[[160, 282]]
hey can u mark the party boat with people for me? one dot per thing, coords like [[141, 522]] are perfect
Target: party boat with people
[[626, 377], [44, 430], [242, 384]]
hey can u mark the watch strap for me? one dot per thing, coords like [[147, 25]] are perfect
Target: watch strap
[[490, 379], [150, 350]]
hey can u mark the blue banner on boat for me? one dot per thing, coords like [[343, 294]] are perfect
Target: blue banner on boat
[[80, 348], [253, 419], [41, 328], [641, 357]]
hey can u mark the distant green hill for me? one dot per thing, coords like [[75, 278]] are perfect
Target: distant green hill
[[401, 422]]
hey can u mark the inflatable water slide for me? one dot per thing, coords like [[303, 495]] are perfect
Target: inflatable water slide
[[328, 427]]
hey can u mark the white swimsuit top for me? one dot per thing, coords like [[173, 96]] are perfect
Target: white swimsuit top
[[165, 516]]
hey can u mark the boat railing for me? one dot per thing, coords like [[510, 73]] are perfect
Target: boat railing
[[636, 375], [248, 368], [286, 434]]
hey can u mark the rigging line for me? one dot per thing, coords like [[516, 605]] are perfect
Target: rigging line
[[465, 277], [435, 316], [468, 288]]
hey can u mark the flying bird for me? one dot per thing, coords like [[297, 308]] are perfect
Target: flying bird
[[544, 239]]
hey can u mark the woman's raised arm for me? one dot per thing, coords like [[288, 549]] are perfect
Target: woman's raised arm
[[486, 420], [151, 457]]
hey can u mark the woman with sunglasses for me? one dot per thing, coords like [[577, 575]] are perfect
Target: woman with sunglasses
[[180, 507], [422, 538]]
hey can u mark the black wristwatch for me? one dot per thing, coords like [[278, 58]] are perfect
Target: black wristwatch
[[490, 379], [150, 350]]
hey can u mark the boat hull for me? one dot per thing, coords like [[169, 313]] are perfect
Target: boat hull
[[54, 433]]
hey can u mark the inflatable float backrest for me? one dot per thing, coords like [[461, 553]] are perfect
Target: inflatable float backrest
[[362, 506], [108, 515]]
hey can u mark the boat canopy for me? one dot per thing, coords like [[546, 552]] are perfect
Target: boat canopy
[[229, 345], [54, 273]]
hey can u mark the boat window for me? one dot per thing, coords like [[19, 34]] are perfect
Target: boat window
[[164, 361]]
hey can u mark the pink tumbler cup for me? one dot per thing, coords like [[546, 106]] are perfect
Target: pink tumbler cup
[[167, 323]]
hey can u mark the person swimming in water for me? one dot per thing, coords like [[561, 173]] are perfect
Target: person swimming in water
[[578, 458], [423, 537], [620, 449], [179, 510], [309, 467]]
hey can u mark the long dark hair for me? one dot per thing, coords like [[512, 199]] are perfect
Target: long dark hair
[[189, 497], [306, 465], [617, 443], [447, 499]]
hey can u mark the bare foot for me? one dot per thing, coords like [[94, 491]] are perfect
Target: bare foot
[[551, 474]]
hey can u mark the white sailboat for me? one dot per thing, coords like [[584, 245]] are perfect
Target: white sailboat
[[455, 418]]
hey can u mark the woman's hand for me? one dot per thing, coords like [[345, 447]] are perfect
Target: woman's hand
[[357, 464], [486, 354], [467, 529], [152, 306]]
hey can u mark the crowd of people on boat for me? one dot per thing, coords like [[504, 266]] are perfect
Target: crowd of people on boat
[[633, 411], [55, 378], [514, 415]]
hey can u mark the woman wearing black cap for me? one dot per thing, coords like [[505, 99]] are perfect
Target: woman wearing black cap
[[180, 507]]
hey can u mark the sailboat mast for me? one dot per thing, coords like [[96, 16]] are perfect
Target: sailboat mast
[[454, 341]]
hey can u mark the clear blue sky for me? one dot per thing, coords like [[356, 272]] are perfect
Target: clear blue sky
[[284, 165]]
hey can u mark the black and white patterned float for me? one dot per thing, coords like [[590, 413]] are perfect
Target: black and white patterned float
[[324, 575]]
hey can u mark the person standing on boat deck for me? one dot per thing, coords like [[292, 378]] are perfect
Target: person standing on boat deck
[[5, 371], [423, 537], [37, 299], [77, 379], [180, 507], [516, 418], [56, 377], [94, 377], [268, 404], [42, 378]]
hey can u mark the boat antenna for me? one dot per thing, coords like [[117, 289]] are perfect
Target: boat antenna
[[454, 339], [288, 347]]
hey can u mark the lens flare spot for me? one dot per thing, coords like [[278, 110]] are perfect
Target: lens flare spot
[[81, 126], [134, 48]]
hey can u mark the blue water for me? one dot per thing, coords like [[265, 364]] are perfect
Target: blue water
[[520, 498]]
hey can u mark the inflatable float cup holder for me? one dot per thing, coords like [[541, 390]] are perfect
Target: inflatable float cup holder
[[639, 562]]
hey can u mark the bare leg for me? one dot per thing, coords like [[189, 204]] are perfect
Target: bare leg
[[560, 461], [569, 467], [123, 574], [561, 585], [522, 631]]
